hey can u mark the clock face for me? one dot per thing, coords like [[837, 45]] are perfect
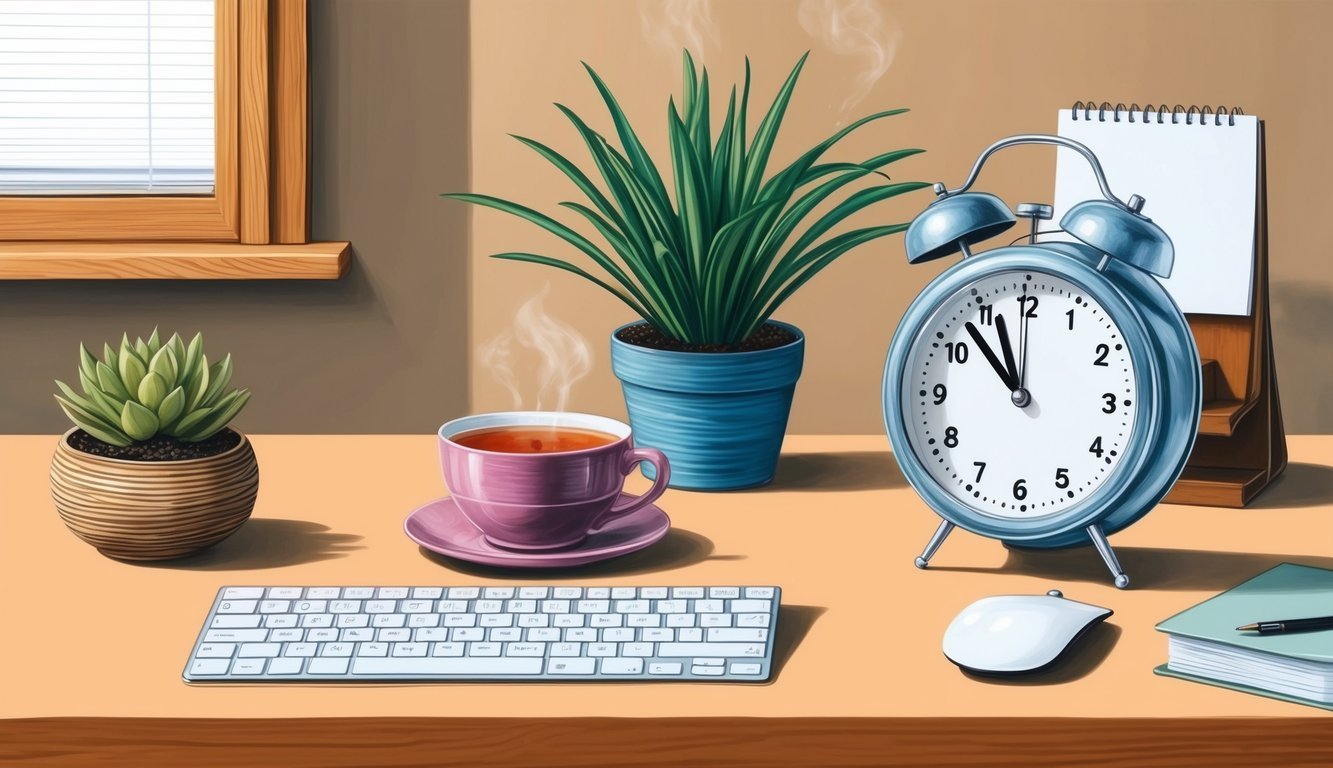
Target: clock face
[[1019, 395]]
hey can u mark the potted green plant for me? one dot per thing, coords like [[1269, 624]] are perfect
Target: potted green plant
[[151, 470], [708, 375]]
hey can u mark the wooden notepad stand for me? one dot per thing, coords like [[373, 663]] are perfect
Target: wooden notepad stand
[[1242, 446]]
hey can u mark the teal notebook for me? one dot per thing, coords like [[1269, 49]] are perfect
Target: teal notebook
[[1297, 667]]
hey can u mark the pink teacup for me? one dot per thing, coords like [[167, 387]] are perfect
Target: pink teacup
[[536, 501]]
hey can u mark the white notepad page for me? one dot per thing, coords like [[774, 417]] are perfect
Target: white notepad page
[[1199, 184]]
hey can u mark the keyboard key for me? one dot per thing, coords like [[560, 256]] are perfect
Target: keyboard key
[[690, 635], [427, 593], [521, 606], [671, 650], [748, 635], [322, 593], [317, 620], [216, 651], [345, 606], [284, 666], [447, 649], [653, 593], [431, 635], [708, 606], [393, 635], [488, 606], [715, 620], [382, 620], [391, 593], [763, 593], [544, 620], [581, 635], [671, 606], [636, 649], [275, 606], [236, 635], [357, 635], [359, 593], [236, 622], [505, 635], [418, 620], [499, 666], [336, 649], [623, 593], [284, 593], [286, 635], [644, 620], [300, 649], [622, 666], [663, 635], [752, 619], [351, 620], [687, 592], [566, 649], [468, 634], [571, 666], [751, 606], [606, 620], [416, 606], [212, 667], [464, 593], [497, 593], [280, 620], [597, 593], [525, 649], [707, 671], [631, 606], [238, 606], [242, 593], [617, 635], [451, 606], [542, 635], [259, 649], [555, 606], [739, 668], [327, 666], [311, 606], [567, 593], [401, 650], [593, 606], [664, 668], [532, 593], [724, 593], [601, 649], [325, 635], [709, 662], [380, 606], [680, 620], [559, 620], [484, 649]]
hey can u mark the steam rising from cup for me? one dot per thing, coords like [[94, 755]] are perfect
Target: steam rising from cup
[[858, 29], [676, 25], [538, 343]]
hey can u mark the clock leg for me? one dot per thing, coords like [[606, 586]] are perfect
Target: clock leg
[[935, 541], [1104, 548]]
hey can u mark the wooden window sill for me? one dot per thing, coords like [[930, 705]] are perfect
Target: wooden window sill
[[172, 261]]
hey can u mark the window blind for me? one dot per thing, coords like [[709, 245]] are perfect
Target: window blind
[[106, 96]]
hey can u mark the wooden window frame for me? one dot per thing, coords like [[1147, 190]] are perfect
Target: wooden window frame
[[255, 225]]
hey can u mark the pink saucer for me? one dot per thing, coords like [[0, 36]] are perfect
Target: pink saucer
[[440, 527]]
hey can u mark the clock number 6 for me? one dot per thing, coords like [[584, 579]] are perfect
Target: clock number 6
[[1020, 490]]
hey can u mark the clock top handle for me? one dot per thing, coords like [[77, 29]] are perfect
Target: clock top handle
[[1135, 202]]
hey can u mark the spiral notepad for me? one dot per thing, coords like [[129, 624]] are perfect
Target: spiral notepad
[[1197, 169]]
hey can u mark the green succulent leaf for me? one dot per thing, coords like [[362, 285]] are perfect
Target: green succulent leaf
[[219, 376], [87, 363], [141, 349], [137, 421], [92, 424], [154, 343], [152, 390], [110, 383], [223, 413], [132, 369], [109, 357], [173, 405], [164, 364], [196, 383]]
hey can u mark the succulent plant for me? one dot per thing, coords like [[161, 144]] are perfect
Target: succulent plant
[[150, 388]]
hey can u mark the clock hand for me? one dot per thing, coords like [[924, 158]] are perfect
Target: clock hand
[[1019, 393], [1006, 374], [1003, 328], [1023, 349]]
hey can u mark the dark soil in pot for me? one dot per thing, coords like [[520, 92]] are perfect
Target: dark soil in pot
[[769, 336], [157, 448]]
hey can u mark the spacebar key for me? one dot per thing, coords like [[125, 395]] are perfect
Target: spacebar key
[[371, 665]]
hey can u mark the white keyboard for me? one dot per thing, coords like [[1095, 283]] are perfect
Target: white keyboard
[[435, 634]]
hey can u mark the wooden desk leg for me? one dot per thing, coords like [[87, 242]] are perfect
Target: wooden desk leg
[[941, 533]]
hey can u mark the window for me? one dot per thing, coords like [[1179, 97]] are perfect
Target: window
[[156, 138]]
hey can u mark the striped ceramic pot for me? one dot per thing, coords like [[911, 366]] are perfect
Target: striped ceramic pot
[[718, 416], [153, 510]]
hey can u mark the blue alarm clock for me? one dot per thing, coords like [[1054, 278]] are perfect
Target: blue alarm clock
[[1046, 394]]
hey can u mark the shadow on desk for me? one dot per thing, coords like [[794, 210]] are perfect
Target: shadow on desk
[[1299, 485], [677, 549], [1148, 567], [267, 543], [835, 471]]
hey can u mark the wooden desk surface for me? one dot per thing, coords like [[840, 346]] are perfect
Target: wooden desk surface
[[838, 531]]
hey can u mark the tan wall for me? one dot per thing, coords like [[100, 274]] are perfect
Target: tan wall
[[972, 72], [377, 351]]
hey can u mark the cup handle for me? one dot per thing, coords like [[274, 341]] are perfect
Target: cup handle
[[631, 460]]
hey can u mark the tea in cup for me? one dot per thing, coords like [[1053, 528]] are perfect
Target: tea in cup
[[538, 480]]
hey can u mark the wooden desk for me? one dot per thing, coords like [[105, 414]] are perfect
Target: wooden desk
[[838, 531]]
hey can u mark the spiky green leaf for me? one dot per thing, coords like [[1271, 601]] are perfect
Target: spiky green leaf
[[164, 364], [225, 411], [132, 369], [110, 383], [137, 421], [173, 405], [93, 425], [152, 390]]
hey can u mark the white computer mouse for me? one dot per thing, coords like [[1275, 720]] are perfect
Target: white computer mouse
[[1014, 634]]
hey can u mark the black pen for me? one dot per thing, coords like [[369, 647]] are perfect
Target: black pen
[[1289, 625]]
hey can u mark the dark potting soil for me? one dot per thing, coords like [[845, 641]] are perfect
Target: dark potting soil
[[769, 336], [159, 448]]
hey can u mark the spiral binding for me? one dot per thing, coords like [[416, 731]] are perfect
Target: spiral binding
[[1160, 112]]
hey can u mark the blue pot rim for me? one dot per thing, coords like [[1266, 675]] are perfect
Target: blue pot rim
[[680, 354]]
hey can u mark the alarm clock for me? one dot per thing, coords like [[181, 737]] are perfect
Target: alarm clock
[[1046, 394]]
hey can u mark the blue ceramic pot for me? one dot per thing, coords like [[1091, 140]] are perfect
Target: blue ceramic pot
[[718, 416]]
